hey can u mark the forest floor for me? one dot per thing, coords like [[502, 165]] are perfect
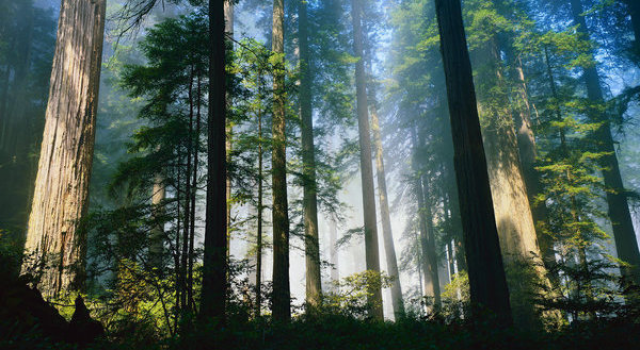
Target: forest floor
[[340, 332]]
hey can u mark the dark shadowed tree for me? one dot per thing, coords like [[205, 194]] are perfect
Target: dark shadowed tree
[[619, 213], [486, 272], [214, 275]]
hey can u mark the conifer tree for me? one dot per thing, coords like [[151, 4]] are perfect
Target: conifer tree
[[215, 264], [486, 272], [281, 289], [310, 200], [619, 214], [61, 193], [366, 169]]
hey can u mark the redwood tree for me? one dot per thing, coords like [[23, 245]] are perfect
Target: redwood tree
[[64, 169], [280, 215], [366, 168], [214, 275], [486, 272], [619, 214], [310, 196]]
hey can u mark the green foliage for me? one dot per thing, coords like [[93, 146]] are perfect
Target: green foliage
[[353, 294], [343, 332], [140, 248], [590, 290], [458, 288], [10, 256]]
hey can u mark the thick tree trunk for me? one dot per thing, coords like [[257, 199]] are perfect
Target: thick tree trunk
[[528, 154], [486, 272], [310, 197], [214, 274], [366, 168], [389, 247], [62, 184], [518, 238], [281, 289], [619, 214], [387, 234]]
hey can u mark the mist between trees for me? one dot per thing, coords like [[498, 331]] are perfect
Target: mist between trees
[[261, 166]]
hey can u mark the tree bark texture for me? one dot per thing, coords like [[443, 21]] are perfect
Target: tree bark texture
[[397, 301], [527, 149], [64, 169], [310, 196], [387, 233], [214, 275], [516, 229], [486, 272], [280, 216], [619, 214], [366, 168]]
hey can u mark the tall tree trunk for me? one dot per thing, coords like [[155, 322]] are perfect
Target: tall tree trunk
[[422, 290], [428, 257], [281, 289], [486, 272], [310, 197], [528, 154], [229, 21], [62, 184], [214, 274], [623, 232], [333, 255], [429, 242], [187, 200], [194, 192], [260, 208], [451, 266], [387, 233], [374, 303], [518, 238], [176, 248]]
